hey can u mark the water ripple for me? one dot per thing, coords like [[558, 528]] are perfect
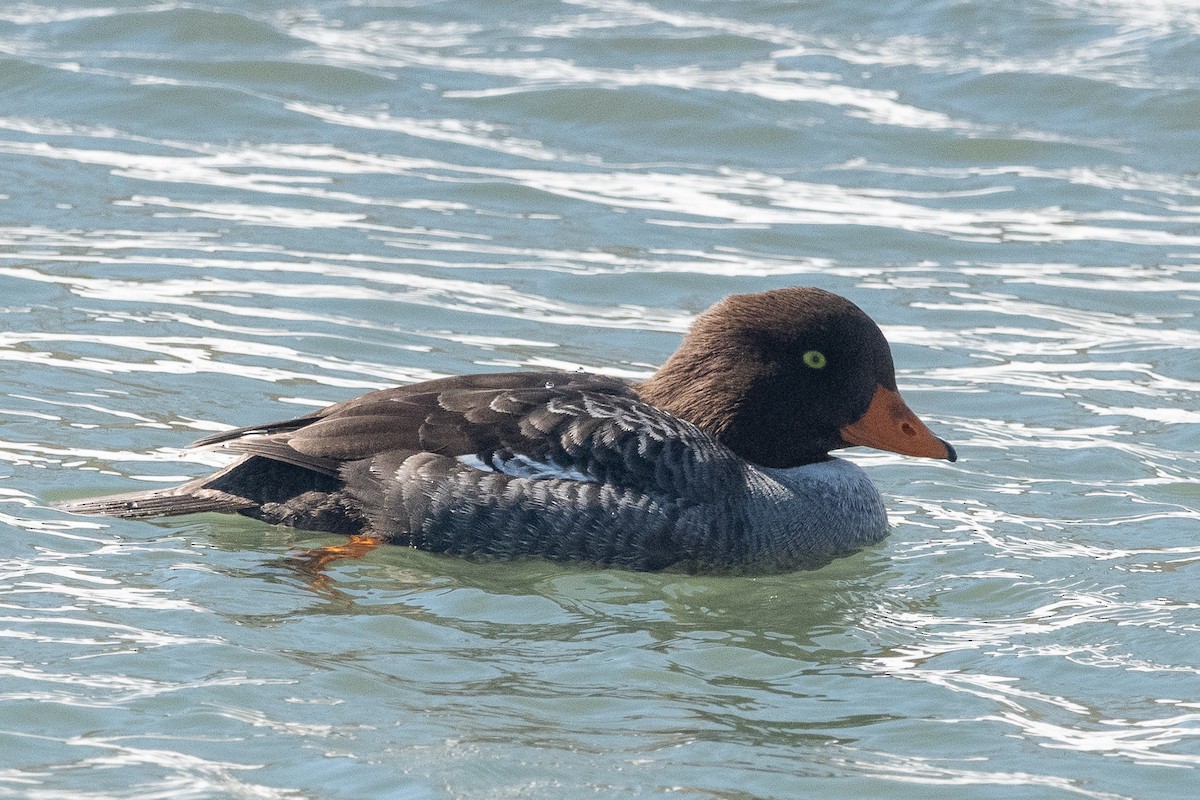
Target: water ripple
[[736, 197], [216, 216]]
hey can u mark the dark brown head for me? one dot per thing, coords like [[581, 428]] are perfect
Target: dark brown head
[[784, 376]]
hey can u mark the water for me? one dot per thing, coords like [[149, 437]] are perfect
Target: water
[[225, 214]]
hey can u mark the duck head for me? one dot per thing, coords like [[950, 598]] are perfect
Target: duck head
[[783, 377]]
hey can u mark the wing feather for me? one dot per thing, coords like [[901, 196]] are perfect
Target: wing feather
[[564, 425]]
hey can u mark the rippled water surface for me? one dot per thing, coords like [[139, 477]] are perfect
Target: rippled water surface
[[219, 214]]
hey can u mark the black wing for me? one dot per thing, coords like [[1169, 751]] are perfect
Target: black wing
[[561, 465], [539, 425]]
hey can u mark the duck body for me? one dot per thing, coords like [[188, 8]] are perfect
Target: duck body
[[719, 462]]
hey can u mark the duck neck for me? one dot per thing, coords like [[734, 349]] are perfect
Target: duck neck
[[719, 396], [703, 394]]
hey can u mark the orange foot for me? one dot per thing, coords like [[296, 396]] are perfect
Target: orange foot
[[313, 562]]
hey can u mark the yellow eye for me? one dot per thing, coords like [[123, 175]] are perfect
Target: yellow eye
[[814, 359]]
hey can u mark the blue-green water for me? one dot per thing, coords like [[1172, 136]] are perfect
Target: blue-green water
[[216, 214]]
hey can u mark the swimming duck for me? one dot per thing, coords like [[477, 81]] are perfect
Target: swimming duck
[[719, 461]]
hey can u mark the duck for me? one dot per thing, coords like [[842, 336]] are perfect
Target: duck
[[720, 461]]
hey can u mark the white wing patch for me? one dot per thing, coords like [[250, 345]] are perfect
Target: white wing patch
[[475, 462], [522, 466]]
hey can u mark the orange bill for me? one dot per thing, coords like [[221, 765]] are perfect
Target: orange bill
[[889, 424]]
